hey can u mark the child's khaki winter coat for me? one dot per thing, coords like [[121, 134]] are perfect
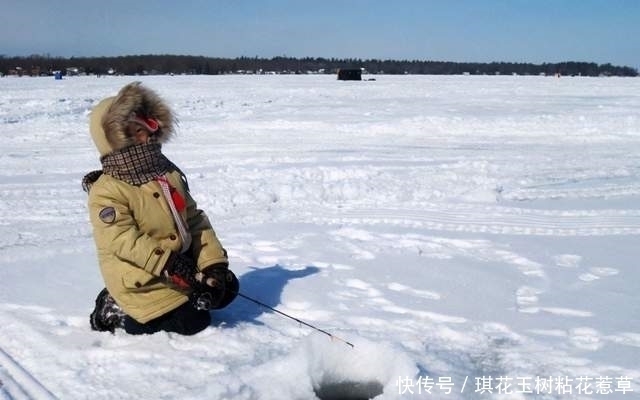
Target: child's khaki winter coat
[[133, 226]]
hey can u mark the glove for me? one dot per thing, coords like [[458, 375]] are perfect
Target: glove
[[214, 276], [218, 287], [181, 271], [205, 300]]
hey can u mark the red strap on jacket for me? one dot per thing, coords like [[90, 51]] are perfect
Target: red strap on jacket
[[176, 197]]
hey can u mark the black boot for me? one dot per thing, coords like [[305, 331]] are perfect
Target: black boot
[[107, 315]]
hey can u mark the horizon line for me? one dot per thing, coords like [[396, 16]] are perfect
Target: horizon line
[[47, 55]]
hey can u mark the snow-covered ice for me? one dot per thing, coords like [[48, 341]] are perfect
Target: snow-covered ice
[[477, 235]]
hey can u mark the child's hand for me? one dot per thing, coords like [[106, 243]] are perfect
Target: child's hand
[[181, 271]]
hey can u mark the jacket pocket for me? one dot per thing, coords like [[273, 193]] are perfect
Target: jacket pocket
[[133, 280]]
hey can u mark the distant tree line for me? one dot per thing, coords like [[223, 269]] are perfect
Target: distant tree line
[[179, 64]]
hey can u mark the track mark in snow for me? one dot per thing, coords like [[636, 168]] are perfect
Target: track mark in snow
[[32, 217], [264, 246], [376, 299], [357, 284], [527, 302], [494, 220], [567, 312], [486, 251], [526, 266], [568, 260], [588, 277], [18, 383], [595, 274], [337, 267], [603, 271], [431, 316], [446, 248], [625, 338], [527, 299], [356, 234], [363, 287], [358, 252], [296, 308], [425, 294], [585, 339]]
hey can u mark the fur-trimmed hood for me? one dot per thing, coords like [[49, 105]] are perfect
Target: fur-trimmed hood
[[109, 119]]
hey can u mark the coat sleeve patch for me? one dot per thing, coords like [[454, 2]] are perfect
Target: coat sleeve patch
[[107, 215]]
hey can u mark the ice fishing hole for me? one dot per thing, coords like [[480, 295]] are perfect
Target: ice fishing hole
[[365, 371], [348, 390]]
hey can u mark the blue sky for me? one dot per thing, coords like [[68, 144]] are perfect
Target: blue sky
[[534, 31]]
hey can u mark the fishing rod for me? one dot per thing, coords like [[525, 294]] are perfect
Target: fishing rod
[[295, 319], [212, 282]]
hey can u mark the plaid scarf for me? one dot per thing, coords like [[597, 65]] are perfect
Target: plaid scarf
[[135, 165]]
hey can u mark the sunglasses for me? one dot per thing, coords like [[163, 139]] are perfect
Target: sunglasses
[[150, 123]]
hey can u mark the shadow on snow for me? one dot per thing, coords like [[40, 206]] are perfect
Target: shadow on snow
[[264, 285]]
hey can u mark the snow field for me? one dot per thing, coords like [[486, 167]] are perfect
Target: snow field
[[455, 228]]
